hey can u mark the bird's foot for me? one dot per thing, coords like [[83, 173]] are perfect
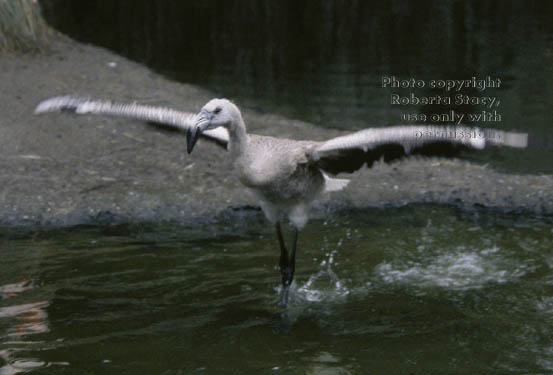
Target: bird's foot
[[287, 275], [285, 292], [287, 278]]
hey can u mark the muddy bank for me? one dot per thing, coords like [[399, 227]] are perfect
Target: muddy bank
[[59, 169]]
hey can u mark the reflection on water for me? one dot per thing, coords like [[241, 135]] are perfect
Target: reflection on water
[[416, 289], [18, 322], [31, 318]]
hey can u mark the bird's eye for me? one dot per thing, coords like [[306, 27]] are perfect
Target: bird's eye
[[217, 110]]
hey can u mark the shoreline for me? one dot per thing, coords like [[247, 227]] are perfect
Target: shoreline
[[63, 170]]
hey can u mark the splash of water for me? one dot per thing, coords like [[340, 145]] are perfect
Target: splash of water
[[459, 271], [325, 284]]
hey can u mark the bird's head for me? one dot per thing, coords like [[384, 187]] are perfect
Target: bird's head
[[216, 113]]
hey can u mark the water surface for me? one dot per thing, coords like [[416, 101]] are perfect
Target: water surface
[[419, 289]]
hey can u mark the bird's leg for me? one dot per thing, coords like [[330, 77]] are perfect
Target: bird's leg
[[285, 271], [284, 261], [287, 264], [292, 262]]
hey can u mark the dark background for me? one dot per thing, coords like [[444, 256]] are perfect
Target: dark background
[[323, 61]]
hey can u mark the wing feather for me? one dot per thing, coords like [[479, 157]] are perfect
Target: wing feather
[[350, 152], [159, 115]]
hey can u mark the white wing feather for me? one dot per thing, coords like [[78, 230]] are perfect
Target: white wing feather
[[177, 119], [411, 137]]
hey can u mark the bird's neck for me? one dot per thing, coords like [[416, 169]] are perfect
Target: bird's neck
[[238, 138]]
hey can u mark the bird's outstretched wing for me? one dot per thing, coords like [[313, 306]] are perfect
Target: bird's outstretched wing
[[350, 152], [159, 115]]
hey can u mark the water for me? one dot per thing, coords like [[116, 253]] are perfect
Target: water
[[419, 289], [323, 61]]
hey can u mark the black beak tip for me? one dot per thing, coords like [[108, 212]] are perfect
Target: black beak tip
[[191, 139]]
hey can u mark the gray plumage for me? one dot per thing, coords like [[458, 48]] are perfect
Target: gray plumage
[[287, 175]]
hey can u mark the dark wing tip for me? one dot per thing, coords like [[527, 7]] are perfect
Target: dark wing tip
[[351, 160]]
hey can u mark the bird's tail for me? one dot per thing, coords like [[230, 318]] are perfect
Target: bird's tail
[[334, 184]]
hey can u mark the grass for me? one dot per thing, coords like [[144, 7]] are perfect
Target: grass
[[22, 28]]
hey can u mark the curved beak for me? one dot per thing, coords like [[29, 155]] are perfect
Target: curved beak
[[193, 133]]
